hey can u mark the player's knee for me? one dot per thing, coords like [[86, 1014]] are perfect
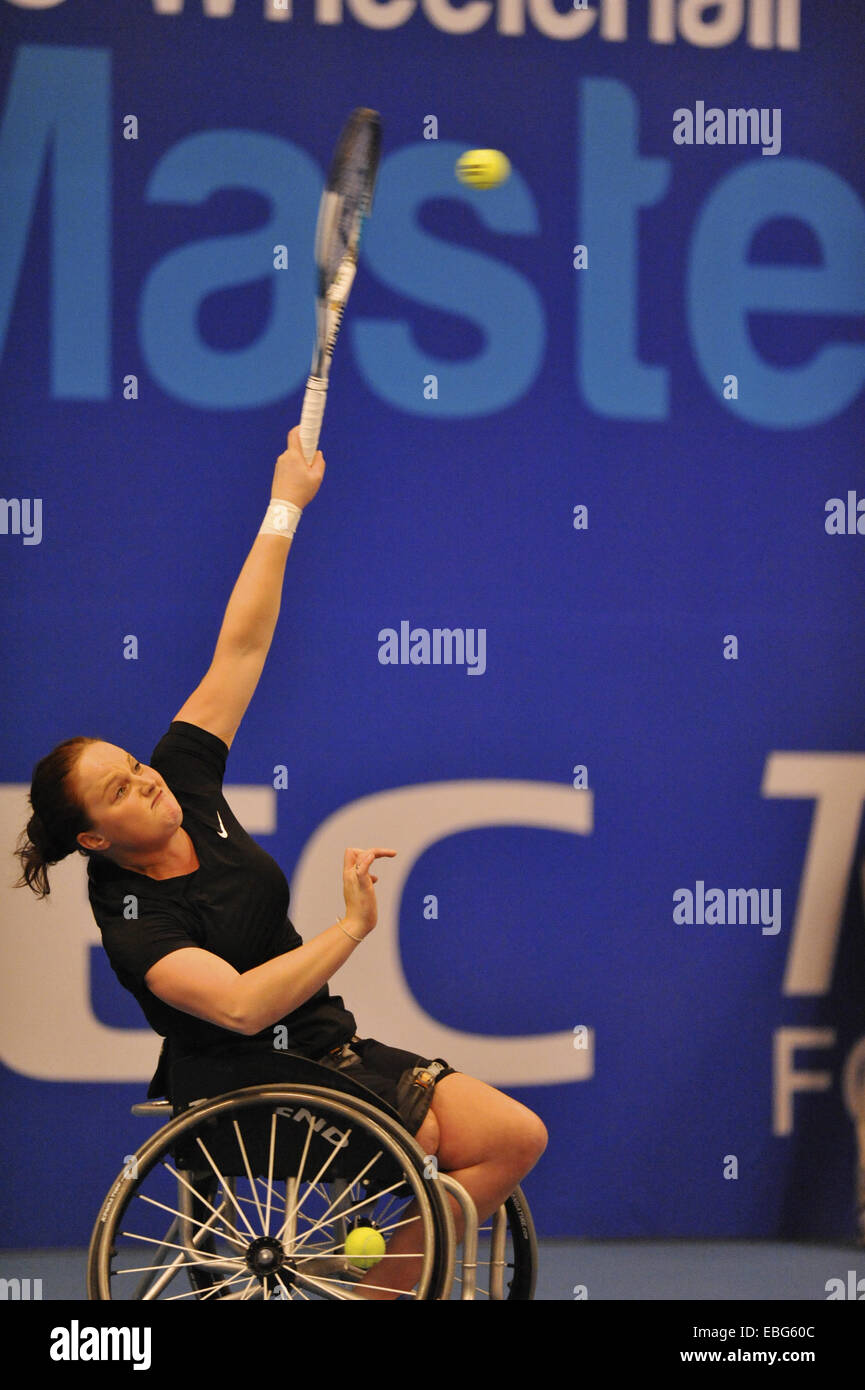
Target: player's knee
[[531, 1139], [540, 1137]]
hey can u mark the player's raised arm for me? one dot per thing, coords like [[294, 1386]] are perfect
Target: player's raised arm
[[219, 703]]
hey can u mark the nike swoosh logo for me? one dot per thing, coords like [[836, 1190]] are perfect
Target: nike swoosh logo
[[222, 830]]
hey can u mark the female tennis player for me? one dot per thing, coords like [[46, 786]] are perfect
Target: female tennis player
[[193, 913]]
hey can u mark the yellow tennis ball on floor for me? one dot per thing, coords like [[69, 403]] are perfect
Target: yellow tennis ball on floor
[[483, 168], [364, 1247]]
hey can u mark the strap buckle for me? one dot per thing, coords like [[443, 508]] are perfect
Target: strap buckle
[[426, 1076], [340, 1057]]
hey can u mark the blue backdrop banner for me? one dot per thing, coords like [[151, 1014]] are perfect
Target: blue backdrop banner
[[574, 622]]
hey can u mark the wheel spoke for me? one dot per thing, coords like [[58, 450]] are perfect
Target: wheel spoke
[[331, 1156], [149, 1269], [225, 1188], [214, 1259], [335, 1284], [348, 1212], [270, 1171], [331, 1286], [205, 1225], [237, 1239], [246, 1165], [203, 1294]]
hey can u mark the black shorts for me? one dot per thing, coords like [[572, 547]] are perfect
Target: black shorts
[[405, 1081], [390, 1073]]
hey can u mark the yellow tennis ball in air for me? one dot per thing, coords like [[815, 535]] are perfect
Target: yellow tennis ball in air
[[364, 1247], [483, 168]]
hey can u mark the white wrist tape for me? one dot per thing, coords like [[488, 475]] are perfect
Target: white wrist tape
[[280, 519]]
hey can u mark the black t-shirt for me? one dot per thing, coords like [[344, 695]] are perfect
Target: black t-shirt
[[235, 905]]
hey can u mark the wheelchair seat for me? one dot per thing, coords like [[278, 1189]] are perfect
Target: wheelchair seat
[[214, 1073], [204, 1076]]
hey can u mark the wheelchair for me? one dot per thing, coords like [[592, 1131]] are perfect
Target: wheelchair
[[253, 1193]]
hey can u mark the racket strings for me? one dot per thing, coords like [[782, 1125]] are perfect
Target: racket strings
[[350, 184]]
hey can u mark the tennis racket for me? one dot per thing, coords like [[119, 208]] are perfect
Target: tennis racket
[[345, 203]]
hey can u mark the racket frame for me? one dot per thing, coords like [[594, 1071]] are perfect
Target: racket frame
[[332, 293]]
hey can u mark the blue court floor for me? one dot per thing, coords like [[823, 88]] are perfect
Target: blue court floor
[[596, 1270]]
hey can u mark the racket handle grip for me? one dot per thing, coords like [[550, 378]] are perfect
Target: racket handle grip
[[311, 415]]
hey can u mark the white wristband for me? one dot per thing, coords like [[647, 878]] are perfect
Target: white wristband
[[280, 519]]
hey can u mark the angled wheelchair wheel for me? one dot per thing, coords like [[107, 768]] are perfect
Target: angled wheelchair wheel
[[518, 1260], [253, 1194], [507, 1255]]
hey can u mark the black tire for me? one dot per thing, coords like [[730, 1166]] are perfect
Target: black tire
[[524, 1271]]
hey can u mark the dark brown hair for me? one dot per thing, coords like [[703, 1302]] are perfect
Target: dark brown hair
[[58, 816]]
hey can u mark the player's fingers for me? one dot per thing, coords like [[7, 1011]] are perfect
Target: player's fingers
[[314, 464], [371, 854], [360, 860]]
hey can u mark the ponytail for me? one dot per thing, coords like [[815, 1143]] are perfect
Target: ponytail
[[58, 817]]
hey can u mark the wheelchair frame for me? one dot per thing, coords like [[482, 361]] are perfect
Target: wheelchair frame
[[228, 1196]]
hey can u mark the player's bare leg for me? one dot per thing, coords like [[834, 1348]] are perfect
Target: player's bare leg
[[482, 1138]]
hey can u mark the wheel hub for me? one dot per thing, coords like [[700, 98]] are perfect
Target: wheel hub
[[265, 1256]]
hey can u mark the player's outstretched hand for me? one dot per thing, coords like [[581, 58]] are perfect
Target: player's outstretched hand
[[295, 480], [357, 885]]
